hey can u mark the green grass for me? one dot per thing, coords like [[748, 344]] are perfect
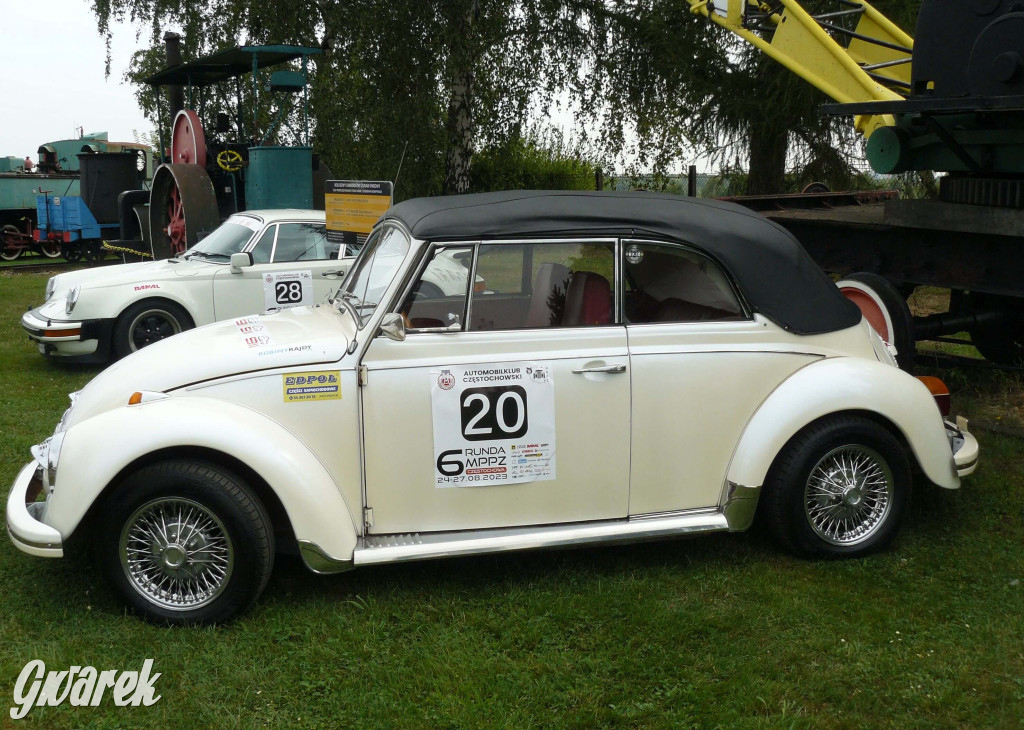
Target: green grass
[[722, 631]]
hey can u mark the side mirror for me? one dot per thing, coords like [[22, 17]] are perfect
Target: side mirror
[[393, 326], [240, 261]]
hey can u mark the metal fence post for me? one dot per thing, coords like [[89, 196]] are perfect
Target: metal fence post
[[599, 179]]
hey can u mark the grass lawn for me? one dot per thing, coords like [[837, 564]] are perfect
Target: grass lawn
[[722, 631]]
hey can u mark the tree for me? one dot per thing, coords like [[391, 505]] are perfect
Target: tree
[[428, 83]]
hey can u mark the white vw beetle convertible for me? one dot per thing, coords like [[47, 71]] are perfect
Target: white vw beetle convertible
[[93, 315], [606, 368]]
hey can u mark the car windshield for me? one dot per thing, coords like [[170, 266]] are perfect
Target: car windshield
[[381, 257], [229, 238]]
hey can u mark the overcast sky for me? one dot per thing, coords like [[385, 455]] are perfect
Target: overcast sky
[[52, 60]]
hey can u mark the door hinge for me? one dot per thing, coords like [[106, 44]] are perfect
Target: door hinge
[[364, 376], [368, 516]]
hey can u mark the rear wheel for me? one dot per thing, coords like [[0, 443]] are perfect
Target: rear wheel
[[838, 489], [147, 322], [885, 309], [186, 543]]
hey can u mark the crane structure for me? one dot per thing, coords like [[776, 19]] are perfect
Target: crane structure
[[949, 99]]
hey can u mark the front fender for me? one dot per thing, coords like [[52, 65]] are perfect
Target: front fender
[[845, 384], [195, 297], [96, 450]]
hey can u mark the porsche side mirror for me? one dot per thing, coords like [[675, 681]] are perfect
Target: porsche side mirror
[[240, 261]]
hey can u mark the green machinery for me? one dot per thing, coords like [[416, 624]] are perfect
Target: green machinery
[[214, 170]]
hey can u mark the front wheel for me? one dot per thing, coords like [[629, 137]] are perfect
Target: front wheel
[[9, 253], [144, 323], [186, 543], [839, 488]]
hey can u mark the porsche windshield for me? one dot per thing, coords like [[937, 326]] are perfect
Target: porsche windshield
[[229, 238]]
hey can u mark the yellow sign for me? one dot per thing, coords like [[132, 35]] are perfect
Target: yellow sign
[[306, 386], [354, 206]]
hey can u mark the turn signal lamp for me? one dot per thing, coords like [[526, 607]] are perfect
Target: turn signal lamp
[[939, 392], [145, 396]]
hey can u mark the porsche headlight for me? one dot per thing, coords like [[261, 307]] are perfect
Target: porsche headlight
[[72, 298], [51, 285]]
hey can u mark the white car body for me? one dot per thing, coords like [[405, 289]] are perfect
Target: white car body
[[639, 428], [84, 316]]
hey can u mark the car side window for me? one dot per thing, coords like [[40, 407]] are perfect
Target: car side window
[[303, 242], [671, 283], [265, 246], [438, 298], [544, 284]]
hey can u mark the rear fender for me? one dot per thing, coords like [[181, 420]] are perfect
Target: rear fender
[[843, 384], [96, 451]]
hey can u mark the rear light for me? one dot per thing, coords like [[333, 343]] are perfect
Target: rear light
[[939, 392]]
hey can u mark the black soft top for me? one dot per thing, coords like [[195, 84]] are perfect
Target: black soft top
[[777, 277]]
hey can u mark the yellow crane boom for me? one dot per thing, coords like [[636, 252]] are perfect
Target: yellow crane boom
[[869, 61]]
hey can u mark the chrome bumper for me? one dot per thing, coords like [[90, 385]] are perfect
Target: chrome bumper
[[964, 446], [28, 533]]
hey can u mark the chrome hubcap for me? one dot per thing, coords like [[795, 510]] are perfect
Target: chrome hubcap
[[176, 553], [848, 495]]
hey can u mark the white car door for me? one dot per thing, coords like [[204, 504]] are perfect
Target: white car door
[[700, 367], [294, 264], [511, 410]]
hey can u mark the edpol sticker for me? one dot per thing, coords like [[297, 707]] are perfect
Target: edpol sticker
[[493, 424], [322, 385]]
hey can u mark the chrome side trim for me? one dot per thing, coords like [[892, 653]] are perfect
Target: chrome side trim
[[320, 562], [740, 506], [399, 548]]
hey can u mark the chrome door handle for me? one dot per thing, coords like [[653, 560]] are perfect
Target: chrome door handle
[[602, 369]]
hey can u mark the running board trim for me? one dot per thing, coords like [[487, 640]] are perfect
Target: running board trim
[[398, 548]]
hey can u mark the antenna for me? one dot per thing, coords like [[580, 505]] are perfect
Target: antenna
[[394, 185]]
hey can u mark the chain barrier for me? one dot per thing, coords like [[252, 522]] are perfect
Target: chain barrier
[[121, 249]]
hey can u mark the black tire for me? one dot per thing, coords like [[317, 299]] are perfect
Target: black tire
[[147, 322], [877, 297], [812, 488], [214, 574], [72, 253]]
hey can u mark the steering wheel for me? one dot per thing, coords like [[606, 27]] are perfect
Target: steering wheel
[[229, 160]]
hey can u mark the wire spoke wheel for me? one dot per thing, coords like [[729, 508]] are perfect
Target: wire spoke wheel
[[848, 495], [176, 553], [839, 488]]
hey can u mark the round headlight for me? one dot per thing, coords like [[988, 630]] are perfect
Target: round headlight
[[72, 298]]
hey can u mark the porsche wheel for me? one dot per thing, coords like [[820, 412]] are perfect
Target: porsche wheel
[[147, 322]]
